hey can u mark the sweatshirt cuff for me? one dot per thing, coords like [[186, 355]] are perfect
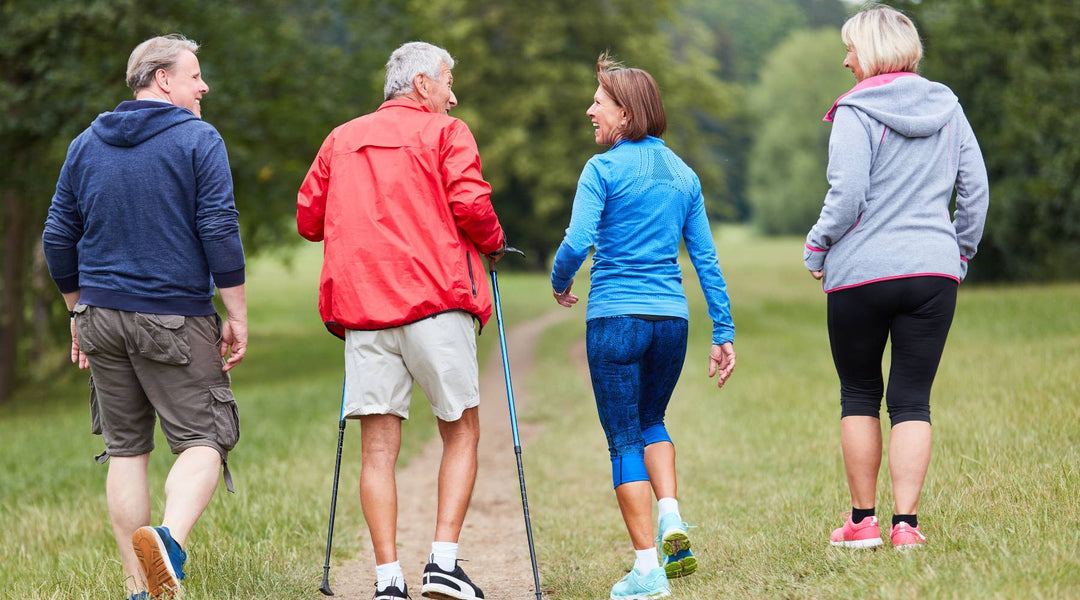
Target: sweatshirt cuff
[[69, 284], [814, 258], [229, 279]]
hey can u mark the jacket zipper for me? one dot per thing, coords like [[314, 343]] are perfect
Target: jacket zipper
[[472, 280]]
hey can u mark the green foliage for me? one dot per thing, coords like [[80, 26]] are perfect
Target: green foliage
[[526, 74], [1016, 69], [799, 81]]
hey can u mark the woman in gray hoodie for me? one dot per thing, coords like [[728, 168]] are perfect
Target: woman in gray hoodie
[[891, 257]]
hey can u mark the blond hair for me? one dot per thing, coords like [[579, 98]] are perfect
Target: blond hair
[[885, 40], [160, 52]]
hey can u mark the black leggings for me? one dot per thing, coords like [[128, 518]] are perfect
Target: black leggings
[[917, 313]]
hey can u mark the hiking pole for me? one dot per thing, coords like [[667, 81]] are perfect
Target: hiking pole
[[325, 587], [513, 416]]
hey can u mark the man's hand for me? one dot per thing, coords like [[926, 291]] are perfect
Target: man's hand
[[233, 342], [721, 362], [234, 337], [566, 297], [78, 357]]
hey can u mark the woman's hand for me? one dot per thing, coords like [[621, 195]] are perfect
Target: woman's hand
[[817, 274], [721, 362], [566, 297]]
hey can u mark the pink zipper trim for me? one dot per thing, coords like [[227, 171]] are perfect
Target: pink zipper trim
[[869, 82], [964, 258], [813, 249], [844, 287]]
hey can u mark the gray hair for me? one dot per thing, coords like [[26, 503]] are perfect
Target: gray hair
[[408, 61], [160, 52]]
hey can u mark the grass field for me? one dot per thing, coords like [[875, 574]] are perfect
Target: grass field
[[759, 462]]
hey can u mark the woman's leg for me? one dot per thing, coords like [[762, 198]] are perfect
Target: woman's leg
[[858, 329], [615, 346], [918, 340], [662, 365]]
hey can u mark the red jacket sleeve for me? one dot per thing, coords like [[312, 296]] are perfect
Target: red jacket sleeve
[[469, 195], [311, 199]]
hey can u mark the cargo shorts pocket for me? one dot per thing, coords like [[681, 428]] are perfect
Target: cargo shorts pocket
[[83, 328], [95, 410], [226, 417], [162, 338]]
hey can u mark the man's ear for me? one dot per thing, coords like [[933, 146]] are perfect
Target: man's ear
[[420, 85], [161, 76]]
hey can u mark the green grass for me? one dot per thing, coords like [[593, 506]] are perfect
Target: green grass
[[268, 540], [759, 461]]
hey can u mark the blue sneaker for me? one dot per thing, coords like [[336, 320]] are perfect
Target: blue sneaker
[[161, 560], [139, 596], [634, 586], [675, 555]]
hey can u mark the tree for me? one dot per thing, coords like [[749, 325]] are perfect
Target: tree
[[799, 81], [525, 76], [1016, 68], [280, 75]]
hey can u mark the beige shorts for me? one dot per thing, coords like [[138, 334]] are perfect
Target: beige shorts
[[438, 352]]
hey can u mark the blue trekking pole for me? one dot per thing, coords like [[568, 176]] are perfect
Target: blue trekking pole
[[325, 587], [513, 416]]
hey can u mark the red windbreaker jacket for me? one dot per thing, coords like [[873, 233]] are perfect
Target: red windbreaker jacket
[[405, 216]]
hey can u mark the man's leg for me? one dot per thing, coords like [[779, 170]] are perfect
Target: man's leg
[[457, 473], [380, 444], [129, 509], [188, 489]]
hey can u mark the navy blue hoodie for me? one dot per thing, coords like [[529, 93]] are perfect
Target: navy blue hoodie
[[143, 218]]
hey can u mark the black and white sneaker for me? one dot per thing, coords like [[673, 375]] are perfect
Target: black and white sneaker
[[448, 585], [392, 592]]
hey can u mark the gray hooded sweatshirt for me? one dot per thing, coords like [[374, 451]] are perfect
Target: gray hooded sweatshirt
[[900, 145]]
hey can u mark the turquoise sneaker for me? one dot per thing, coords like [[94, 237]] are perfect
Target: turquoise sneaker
[[654, 584], [675, 555], [161, 560]]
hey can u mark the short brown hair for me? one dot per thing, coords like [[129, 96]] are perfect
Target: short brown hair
[[636, 92]]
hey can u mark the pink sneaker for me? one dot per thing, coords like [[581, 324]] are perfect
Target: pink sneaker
[[864, 534], [906, 537]]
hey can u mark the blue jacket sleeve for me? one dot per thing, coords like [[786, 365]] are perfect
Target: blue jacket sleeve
[[63, 230], [584, 221], [216, 216], [699, 244]]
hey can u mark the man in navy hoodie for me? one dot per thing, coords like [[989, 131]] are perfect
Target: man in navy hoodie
[[141, 230]]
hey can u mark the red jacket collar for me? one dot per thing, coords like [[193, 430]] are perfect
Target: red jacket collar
[[404, 103]]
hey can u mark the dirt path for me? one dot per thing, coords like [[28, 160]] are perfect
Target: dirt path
[[493, 539]]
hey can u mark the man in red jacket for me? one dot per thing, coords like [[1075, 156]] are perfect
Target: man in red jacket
[[405, 215]]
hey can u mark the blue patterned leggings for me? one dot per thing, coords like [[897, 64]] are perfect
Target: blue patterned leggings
[[634, 364]]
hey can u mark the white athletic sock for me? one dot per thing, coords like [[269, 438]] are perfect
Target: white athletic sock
[[646, 561], [444, 554], [667, 506], [386, 574]]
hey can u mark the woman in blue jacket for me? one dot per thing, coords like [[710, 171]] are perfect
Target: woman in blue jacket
[[634, 204], [891, 255]]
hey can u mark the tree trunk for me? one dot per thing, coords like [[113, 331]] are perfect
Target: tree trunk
[[12, 296]]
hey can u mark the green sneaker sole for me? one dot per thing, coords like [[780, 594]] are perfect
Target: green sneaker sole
[[681, 568], [675, 542]]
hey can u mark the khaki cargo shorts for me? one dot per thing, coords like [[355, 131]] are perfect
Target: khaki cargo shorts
[[142, 365], [438, 352]]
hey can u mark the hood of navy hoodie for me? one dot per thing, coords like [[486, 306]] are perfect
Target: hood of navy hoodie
[[911, 106], [135, 121]]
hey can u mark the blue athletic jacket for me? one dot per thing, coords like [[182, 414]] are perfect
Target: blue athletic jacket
[[634, 204]]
